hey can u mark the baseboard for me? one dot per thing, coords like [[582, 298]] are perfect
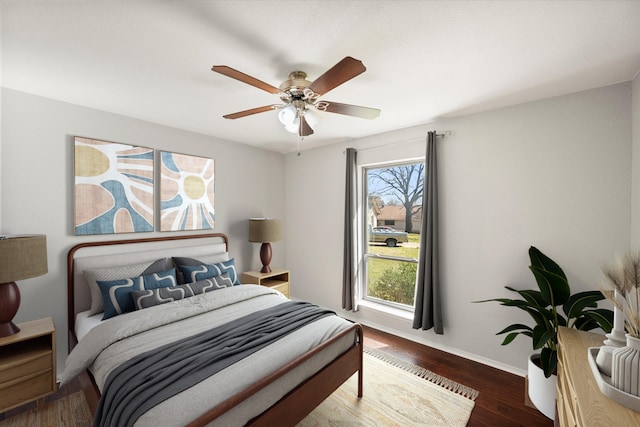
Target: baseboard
[[438, 346]]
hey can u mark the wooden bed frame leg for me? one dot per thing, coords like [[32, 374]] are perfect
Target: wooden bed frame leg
[[361, 370]]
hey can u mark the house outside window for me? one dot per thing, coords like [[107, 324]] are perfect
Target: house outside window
[[392, 228]]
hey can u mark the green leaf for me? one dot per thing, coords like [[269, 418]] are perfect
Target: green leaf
[[501, 300], [549, 361], [561, 321], [540, 260], [577, 303], [541, 315], [509, 338], [531, 296], [598, 318], [514, 327], [514, 303], [553, 288], [542, 336]]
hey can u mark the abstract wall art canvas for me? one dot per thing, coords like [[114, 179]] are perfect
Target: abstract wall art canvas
[[113, 187], [186, 192]]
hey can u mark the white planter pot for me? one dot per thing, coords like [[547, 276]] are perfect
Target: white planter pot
[[542, 390]]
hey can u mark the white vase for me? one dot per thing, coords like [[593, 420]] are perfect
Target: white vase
[[604, 359], [625, 367], [542, 390]]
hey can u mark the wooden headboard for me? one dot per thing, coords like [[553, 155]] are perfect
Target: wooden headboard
[[105, 254]]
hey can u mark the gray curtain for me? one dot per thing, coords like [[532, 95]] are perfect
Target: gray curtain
[[428, 309], [349, 268]]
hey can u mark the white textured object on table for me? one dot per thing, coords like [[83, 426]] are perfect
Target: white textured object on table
[[606, 387]]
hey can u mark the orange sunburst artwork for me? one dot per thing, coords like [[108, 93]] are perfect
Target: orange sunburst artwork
[[187, 185]]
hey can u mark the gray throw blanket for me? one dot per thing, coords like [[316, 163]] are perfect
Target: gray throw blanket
[[152, 377]]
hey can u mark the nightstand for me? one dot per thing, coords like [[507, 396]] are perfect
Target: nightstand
[[277, 279], [28, 364]]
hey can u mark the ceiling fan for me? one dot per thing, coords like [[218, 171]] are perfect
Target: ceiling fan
[[301, 96]]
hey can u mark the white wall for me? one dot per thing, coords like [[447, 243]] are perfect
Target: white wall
[[1, 85], [555, 174], [635, 183], [37, 187]]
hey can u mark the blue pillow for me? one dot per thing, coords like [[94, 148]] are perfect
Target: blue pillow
[[152, 297], [116, 294], [193, 273]]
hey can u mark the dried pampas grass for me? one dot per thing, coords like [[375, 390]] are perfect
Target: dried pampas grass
[[623, 276]]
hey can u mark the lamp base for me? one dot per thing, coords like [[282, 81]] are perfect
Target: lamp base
[[265, 257], [7, 329], [9, 304]]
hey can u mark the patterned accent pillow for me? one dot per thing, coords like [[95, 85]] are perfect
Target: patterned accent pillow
[[193, 273], [118, 273], [116, 293], [152, 297], [201, 260]]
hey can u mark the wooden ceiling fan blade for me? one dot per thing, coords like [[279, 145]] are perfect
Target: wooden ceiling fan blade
[[343, 71], [348, 109], [252, 111], [244, 78], [305, 129]]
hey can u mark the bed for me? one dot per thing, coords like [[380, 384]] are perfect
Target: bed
[[277, 383]]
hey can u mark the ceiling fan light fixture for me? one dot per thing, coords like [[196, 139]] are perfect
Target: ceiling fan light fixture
[[312, 117], [288, 115], [293, 127]]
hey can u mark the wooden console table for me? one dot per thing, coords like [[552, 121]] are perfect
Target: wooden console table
[[580, 401]]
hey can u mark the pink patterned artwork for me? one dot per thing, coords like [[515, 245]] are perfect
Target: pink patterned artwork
[[186, 192], [113, 190]]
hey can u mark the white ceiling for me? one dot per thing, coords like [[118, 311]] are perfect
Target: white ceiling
[[152, 60]]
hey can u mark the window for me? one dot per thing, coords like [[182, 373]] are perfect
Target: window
[[392, 223]]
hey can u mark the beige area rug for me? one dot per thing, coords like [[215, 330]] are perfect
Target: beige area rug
[[396, 393], [69, 411]]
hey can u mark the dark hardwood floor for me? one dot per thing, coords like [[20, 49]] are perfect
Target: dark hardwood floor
[[501, 399], [500, 402]]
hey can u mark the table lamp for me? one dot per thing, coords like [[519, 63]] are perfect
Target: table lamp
[[21, 257], [265, 230]]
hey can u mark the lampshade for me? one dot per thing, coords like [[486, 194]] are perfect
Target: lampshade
[[287, 115], [22, 257], [293, 127], [262, 230]]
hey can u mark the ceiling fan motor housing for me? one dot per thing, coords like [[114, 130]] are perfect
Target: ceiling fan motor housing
[[294, 87]]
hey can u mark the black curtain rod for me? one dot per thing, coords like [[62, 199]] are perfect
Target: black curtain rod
[[442, 135]]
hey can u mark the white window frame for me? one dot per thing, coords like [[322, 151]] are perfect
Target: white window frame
[[362, 223]]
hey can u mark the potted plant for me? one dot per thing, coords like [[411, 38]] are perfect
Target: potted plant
[[579, 311]]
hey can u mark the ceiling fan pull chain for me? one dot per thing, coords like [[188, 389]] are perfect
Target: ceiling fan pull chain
[[300, 139]]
